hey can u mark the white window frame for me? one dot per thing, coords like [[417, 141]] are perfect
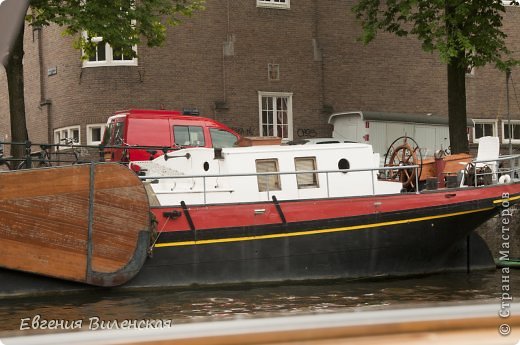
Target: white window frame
[[506, 140], [109, 53], [274, 4], [102, 126], [508, 3], [484, 121], [288, 95], [68, 130]]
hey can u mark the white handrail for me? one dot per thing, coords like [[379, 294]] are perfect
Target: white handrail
[[281, 173], [326, 172]]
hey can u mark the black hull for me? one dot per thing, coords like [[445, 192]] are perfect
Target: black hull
[[432, 241], [412, 248]]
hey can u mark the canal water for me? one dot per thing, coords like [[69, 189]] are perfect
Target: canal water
[[254, 301]]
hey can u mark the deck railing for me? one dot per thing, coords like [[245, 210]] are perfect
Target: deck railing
[[495, 170], [374, 172], [96, 153]]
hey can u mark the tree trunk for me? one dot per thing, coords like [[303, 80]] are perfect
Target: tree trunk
[[456, 83], [457, 106], [15, 84]]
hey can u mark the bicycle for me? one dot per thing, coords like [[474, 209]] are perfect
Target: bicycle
[[4, 162], [43, 158], [38, 159]]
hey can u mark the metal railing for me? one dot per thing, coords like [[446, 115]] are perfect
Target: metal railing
[[43, 154], [97, 154], [495, 170], [281, 173]]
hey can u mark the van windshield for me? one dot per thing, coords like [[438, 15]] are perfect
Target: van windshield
[[119, 128], [107, 134]]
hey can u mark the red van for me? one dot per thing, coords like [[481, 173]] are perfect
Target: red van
[[161, 129]]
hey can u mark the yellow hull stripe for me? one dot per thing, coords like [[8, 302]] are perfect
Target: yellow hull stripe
[[322, 231], [499, 201]]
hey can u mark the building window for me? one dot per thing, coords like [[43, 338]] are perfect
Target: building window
[[511, 130], [276, 115], [95, 134], [274, 3], [268, 183], [484, 128], [67, 135], [273, 71], [106, 55], [307, 180]]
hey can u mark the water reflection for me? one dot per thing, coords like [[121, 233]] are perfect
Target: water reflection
[[256, 301]]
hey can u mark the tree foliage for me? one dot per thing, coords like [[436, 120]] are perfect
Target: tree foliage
[[464, 33], [447, 26], [121, 23]]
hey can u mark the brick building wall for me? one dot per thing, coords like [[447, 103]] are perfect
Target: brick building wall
[[217, 61]]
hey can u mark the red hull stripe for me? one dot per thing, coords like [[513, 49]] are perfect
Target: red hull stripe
[[265, 213], [321, 231]]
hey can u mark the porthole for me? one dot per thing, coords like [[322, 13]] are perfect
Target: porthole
[[206, 166], [343, 164]]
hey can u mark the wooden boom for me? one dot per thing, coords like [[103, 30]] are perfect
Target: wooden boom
[[86, 223]]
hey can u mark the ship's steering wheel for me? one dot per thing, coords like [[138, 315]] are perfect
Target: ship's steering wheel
[[404, 151]]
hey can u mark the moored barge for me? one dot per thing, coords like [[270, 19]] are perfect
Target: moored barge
[[287, 213]]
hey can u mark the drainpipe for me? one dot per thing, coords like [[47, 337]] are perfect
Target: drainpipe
[[44, 101], [508, 76]]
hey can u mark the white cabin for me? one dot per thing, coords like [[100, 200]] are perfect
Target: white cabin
[[238, 174]]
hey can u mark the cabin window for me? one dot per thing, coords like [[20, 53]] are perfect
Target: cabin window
[[189, 135], [222, 138], [268, 182], [343, 164], [307, 180]]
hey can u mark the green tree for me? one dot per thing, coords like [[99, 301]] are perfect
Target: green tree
[[464, 33], [121, 23]]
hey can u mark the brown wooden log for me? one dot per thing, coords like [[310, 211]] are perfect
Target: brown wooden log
[[85, 223]]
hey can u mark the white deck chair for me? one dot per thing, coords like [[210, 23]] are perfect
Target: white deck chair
[[488, 151], [487, 154]]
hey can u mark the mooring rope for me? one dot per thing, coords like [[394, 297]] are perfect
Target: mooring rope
[[154, 221]]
